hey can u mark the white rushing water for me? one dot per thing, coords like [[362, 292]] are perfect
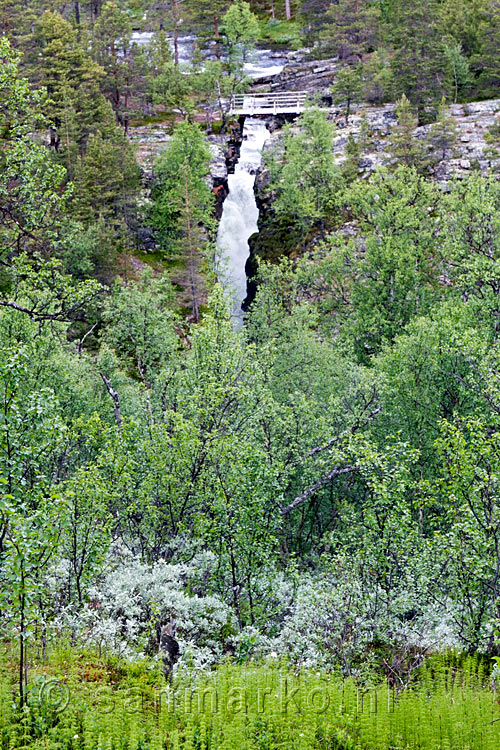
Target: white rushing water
[[260, 63], [240, 214]]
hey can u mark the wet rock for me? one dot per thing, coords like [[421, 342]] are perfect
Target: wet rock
[[275, 123], [145, 238], [314, 77], [218, 165]]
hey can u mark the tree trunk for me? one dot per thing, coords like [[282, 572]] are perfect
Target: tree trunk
[[288, 10], [217, 37], [175, 24], [22, 644], [190, 240], [116, 399]]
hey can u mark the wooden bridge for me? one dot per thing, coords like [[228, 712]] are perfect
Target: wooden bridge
[[279, 103]]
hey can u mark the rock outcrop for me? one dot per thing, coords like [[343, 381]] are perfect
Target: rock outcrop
[[472, 121], [471, 150], [315, 77], [151, 140]]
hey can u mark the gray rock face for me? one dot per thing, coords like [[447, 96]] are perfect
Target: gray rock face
[[472, 120], [315, 77], [472, 151], [218, 165], [151, 140]]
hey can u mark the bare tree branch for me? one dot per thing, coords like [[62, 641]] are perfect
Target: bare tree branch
[[82, 340], [116, 399], [310, 490]]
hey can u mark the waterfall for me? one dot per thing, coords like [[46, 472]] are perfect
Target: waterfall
[[240, 214]]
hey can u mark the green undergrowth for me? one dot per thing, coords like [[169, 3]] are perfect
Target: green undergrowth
[[80, 701], [287, 33], [160, 261]]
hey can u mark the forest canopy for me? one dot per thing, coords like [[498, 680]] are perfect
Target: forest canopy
[[317, 486]]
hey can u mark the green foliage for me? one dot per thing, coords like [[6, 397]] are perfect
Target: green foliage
[[141, 325], [106, 179], [321, 484], [240, 28], [351, 29], [111, 41], [471, 246], [459, 67], [72, 80], [394, 276], [347, 88], [377, 77], [443, 133], [469, 491], [419, 63], [31, 208], [306, 178], [282, 32], [486, 60], [167, 85], [181, 187], [182, 210], [406, 148]]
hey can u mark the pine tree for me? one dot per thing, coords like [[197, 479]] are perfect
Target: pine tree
[[406, 149], [205, 17], [443, 133], [106, 177], [111, 49], [182, 211], [487, 61], [313, 14], [353, 153], [18, 21], [69, 75], [377, 77], [463, 22], [419, 65], [347, 88], [351, 29]]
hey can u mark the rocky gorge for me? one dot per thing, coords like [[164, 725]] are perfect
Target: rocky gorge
[[471, 150]]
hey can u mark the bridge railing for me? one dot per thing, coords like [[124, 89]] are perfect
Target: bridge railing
[[262, 104]]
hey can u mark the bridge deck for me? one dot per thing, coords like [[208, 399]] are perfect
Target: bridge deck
[[288, 102]]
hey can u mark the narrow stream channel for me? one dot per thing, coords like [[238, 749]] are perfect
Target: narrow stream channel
[[239, 215]]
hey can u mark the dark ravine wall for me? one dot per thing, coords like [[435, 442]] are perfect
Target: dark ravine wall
[[232, 146]]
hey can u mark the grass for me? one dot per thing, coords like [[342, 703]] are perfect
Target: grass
[[281, 33], [160, 118], [79, 701], [159, 260]]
